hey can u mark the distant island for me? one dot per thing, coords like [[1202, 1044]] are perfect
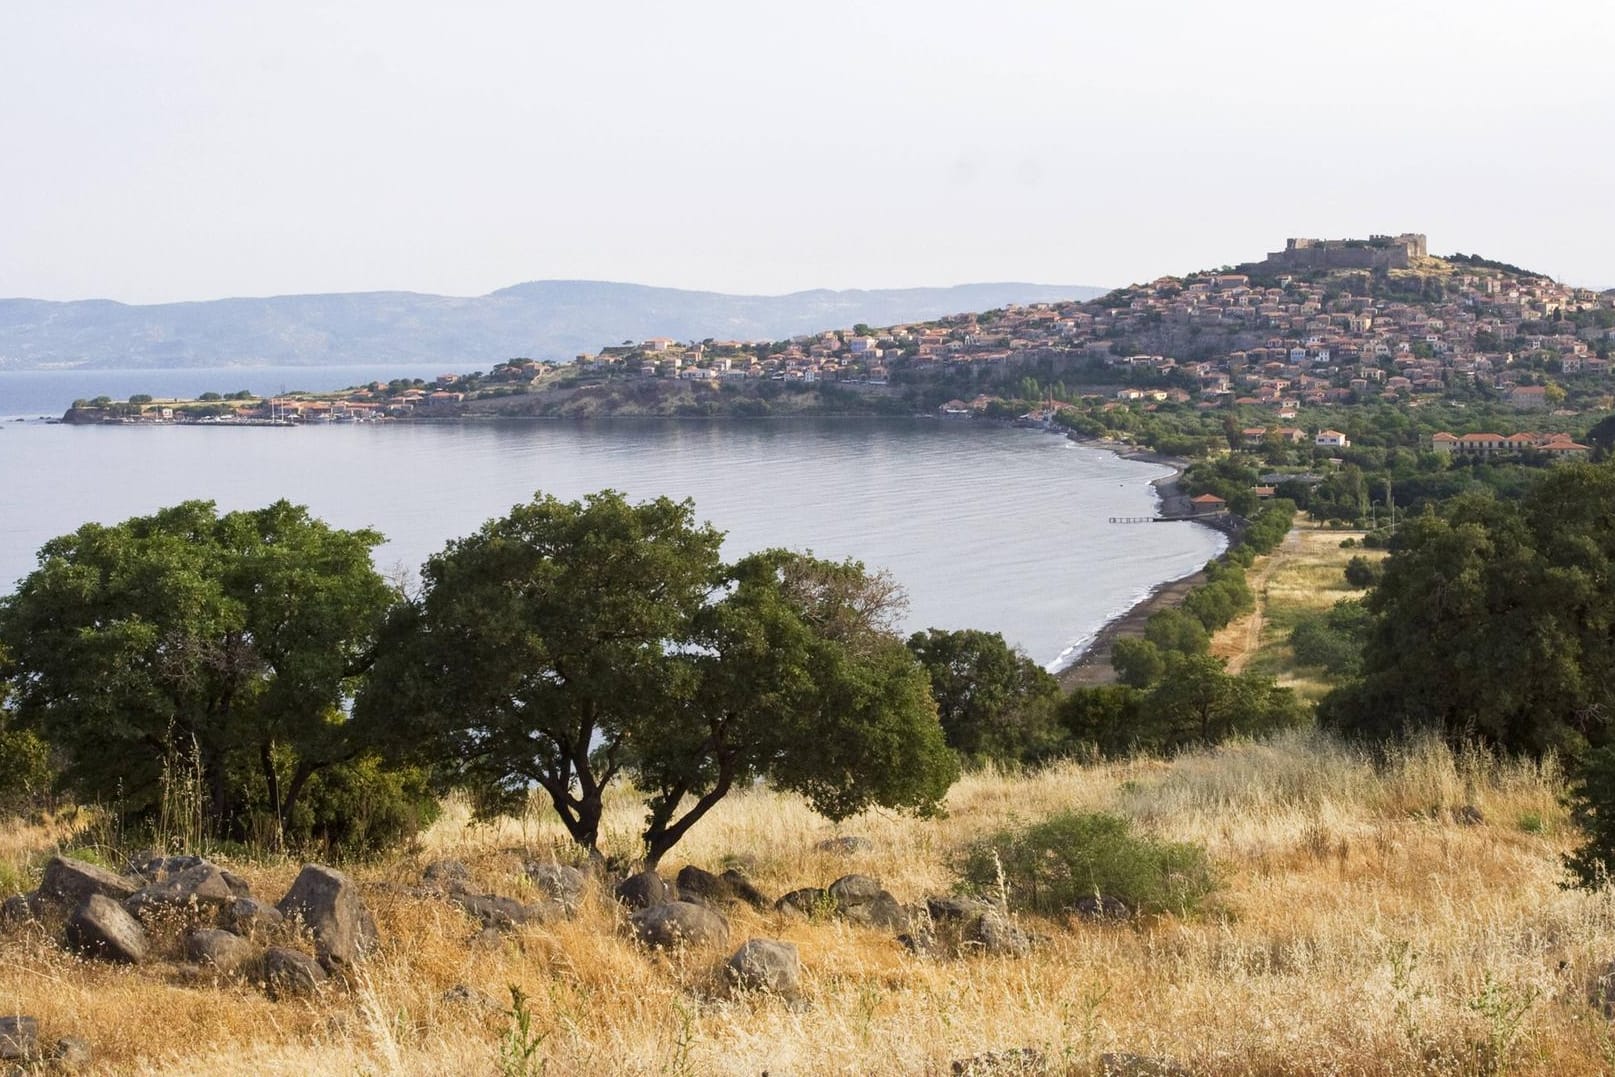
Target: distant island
[[544, 319]]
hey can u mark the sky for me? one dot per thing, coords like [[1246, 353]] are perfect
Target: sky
[[162, 151]]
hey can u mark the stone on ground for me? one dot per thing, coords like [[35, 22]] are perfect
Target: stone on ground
[[291, 974], [679, 923], [102, 928], [327, 902], [68, 882], [767, 965]]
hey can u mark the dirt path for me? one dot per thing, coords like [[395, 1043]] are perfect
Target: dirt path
[[1241, 639]]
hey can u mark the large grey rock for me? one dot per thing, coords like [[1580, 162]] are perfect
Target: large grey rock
[[247, 916], [104, 929], [70, 1054], [806, 901], [678, 923], [17, 910], [855, 890], [201, 886], [291, 974], [994, 933], [644, 890], [447, 876], [561, 882], [504, 913], [327, 903], [944, 909], [694, 884], [218, 949], [19, 1039], [1101, 907], [154, 868], [845, 845], [68, 882], [766, 965]]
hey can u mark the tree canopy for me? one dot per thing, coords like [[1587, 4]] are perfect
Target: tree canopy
[[571, 645], [226, 646], [994, 702]]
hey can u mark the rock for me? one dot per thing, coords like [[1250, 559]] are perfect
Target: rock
[[747, 863], [949, 909], [1015, 1062], [290, 974], [70, 1054], [202, 886], [561, 882], [855, 890], [1101, 907], [994, 933], [155, 869], [68, 882], [17, 910], [845, 845], [471, 998], [679, 922], [247, 916], [882, 911], [644, 890], [103, 928], [1468, 815], [447, 876], [327, 902], [19, 1039], [808, 901], [220, 950], [742, 888], [238, 886], [503, 912], [766, 965], [1127, 1064]]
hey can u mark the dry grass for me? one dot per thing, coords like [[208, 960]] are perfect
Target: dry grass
[[1360, 928]]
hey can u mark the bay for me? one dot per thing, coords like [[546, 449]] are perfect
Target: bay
[[985, 526]]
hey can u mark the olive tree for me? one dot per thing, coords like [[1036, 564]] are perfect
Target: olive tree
[[570, 646]]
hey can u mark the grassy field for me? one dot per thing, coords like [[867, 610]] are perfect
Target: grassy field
[[1360, 927], [1305, 575]]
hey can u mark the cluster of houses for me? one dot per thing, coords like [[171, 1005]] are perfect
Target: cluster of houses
[[1560, 446], [1281, 344]]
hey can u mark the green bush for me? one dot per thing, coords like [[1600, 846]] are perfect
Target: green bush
[[361, 808], [1363, 573], [1047, 867], [25, 771]]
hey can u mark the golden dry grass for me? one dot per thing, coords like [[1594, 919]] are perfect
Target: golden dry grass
[[1360, 928]]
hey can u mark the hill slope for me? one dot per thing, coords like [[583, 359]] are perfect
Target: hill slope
[[540, 319]]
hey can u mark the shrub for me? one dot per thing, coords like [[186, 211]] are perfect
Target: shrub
[[1048, 866], [25, 772], [1362, 573], [361, 808], [1138, 662]]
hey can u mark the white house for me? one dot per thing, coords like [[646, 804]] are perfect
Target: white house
[[1331, 439]]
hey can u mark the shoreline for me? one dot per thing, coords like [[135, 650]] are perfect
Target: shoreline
[[1092, 666]]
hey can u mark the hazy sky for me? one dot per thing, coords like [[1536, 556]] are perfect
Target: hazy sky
[[188, 150]]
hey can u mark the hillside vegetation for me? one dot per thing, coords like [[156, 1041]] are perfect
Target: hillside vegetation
[[1370, 920]]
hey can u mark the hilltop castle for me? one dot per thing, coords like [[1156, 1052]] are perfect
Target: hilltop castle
[[1375, 252]]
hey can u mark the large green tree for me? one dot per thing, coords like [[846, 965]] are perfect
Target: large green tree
[[222, 646], [994, 701], [574, 645], [1496, 620]]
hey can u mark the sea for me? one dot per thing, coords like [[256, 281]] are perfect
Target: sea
[[984, 526]]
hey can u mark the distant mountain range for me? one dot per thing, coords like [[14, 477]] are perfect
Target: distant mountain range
[[541, 320]]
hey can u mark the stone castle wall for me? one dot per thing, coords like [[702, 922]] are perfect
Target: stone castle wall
[[1376, 252]]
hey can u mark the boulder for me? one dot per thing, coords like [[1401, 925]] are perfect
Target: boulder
[[247, 916], [238, 886], [807, 901], [220, 950], [994, 933], [69, 882], [17, 910], [1015, 1062], [561, 882], [679, 922], [695, 884], [1101, 907], [644, 890], [327, 902], [503, 913], [19, 1039], [290, 974], [766, 965], [1469, 815], [154, 868], [855, 890], [447, 876], [70, 1054], [1127, 1064], [845, 845], [952, 909], [103, 928], [200, 886]]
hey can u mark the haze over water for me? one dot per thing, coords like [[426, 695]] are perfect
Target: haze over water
[[984, 526]]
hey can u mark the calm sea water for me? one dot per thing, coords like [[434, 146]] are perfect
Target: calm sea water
[[985, 526]]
